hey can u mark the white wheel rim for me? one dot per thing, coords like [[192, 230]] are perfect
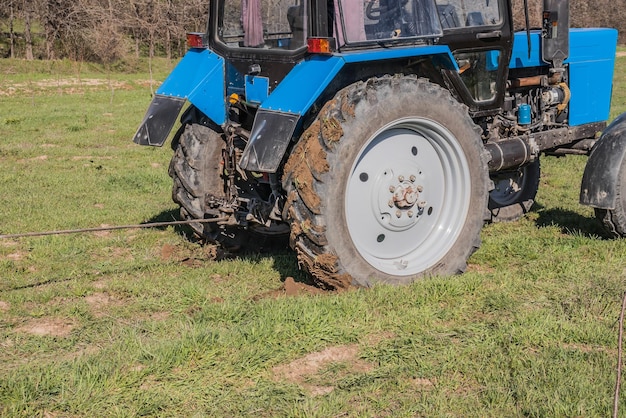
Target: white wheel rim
[[408, 196]]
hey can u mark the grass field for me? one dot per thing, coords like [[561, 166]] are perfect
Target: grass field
[[144, 322]]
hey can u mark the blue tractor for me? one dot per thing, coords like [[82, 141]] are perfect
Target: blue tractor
[[380, 135]]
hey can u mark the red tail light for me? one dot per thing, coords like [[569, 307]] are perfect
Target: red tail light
[[321, 45], [195, 40]]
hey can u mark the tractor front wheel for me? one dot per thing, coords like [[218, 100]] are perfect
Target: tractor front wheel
[[614, 220], [514, 192]]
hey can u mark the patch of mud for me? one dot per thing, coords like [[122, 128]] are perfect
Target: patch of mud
[[101, 302], [479, 269], [34, 159], [4, 306], [8, 243], [18, 256], [423, 384], [160, 316], [67, 85], [100, 284], [167, 252], [301, 371], [620, 54], [53, 327], [193, 258], [103, 234], [586, 348]]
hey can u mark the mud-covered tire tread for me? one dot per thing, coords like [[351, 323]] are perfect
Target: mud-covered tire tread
[[313, 251], [194, 175]]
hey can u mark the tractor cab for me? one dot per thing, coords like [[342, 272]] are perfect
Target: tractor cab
[[267, 38]]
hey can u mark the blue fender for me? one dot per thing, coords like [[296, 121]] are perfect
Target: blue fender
[[199, 78], [280, 113], [600, 179]]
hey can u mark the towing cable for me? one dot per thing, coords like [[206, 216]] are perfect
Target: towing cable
[[111, 228]]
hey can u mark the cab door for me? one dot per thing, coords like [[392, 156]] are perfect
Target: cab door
[[479, 33]]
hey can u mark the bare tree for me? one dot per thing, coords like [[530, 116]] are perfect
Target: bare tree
[[27, 13]]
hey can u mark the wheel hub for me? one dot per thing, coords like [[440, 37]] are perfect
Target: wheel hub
[[402, 196]]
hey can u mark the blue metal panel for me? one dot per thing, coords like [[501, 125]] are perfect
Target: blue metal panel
[[393, 53], [591, 62], [303, 85], [519, 56], [308, 80], [257, 88], [199, 78]]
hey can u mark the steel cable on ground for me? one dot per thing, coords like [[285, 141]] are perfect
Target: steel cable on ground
[[111, 228]]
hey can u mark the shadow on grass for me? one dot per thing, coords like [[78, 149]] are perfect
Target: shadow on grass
[[570, 223], [171, 216], [284, 259]]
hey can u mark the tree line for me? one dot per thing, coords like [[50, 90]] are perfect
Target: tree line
[[98, 30], [109, 30]]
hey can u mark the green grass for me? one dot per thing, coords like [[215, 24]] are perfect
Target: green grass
[[143, 322]]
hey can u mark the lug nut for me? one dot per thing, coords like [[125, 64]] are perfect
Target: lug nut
[[390, 203], [410, 213], [412, 178], [400, 179], [420, 189], [421, 204], [392, 189], [398, 214]]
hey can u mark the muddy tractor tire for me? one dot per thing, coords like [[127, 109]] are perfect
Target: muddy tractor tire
[[603, 185], [195, 169], [514, 192], [614, 220], [388, 184]]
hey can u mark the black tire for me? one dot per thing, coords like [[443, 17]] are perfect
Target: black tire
[[373, 140], [514, 192], [614, 220], [195, 169], [197, 172]]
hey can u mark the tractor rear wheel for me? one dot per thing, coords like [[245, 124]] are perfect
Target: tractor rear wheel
[[195, 169], [514, 192], [388, 184]]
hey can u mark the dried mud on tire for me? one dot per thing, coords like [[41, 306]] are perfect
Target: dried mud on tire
[[326, 217]]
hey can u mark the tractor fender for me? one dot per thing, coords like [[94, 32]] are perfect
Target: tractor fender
[[199, 78], [281, 112], [600, 179]]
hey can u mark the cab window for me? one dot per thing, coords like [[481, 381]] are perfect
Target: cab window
[[455, 14]]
